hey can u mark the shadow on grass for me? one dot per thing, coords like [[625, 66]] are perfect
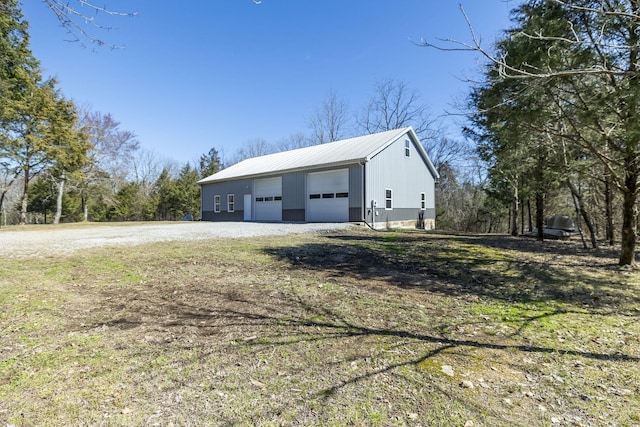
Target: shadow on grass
[[288, 320], [496, 267], [227, 316]]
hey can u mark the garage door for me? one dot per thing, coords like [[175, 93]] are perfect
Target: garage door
[[268, 199], [328, 196]]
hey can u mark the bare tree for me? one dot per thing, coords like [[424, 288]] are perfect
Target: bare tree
[[78, 18], [146, 168], [254, 147], [111, 156], [447, 151], [113, 147], [395, 105], [330, 121], [293, 141]]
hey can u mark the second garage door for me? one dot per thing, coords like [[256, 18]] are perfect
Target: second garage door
[[328, 196]]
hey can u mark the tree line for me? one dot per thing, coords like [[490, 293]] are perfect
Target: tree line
[[557, 114], [61, 162], [552, 129]]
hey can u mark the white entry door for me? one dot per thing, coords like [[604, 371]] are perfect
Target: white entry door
[[328, 196], [247, 207]]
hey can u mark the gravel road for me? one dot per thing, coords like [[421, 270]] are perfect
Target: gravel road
[[50, 241]]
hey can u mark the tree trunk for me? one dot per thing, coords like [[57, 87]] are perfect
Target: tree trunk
[[85, 209], [4, 192], [522, 217], [514, 216], [5, 189], [583, 212], [608, 200], [25, 199], [58, 215], [540, 215], [629, 212], [629, 220]]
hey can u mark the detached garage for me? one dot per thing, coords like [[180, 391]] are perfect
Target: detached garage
[[385, 179]]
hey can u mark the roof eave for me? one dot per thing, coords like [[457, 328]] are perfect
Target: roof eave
[[291, 170]]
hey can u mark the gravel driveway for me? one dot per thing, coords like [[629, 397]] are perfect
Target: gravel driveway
[[50, 241]]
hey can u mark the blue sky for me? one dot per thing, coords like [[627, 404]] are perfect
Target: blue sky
[[217, 73]]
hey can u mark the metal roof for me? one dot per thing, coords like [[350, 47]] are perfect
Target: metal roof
[[346, 151]]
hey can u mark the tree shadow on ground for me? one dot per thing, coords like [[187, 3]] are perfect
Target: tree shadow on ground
[[496, 267], [216, 314], [259, 321]]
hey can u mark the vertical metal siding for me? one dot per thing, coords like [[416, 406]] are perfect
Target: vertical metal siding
[[239, 188], [293, 190], [356, 191], [355, 186], [406, 177]]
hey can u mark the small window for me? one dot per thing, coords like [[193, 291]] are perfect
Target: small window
[[268, 199], [259, 199], [423, 201], [388, 199], [276, 198], [216, 203], [231, 202], [314, 196], [328, 195], [342, 195], [407, 148]]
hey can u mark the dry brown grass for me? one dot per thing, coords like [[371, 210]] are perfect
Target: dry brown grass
[[335, 329]]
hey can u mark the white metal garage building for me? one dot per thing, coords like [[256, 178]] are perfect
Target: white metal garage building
[[385, 179]]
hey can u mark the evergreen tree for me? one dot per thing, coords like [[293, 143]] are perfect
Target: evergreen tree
[[210, 163], [37, 125], [42, 197], [163, 194], [585, 55], [127, 203], [17, 65], [187, 193]]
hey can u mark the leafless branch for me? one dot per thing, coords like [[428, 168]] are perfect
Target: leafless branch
[[525, 70], [576, 41], [74, 20], [600, 11]]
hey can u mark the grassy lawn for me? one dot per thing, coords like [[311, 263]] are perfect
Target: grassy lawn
[[352, 328]]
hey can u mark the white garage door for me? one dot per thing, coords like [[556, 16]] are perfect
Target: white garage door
[[268, 199], [328, 196]]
